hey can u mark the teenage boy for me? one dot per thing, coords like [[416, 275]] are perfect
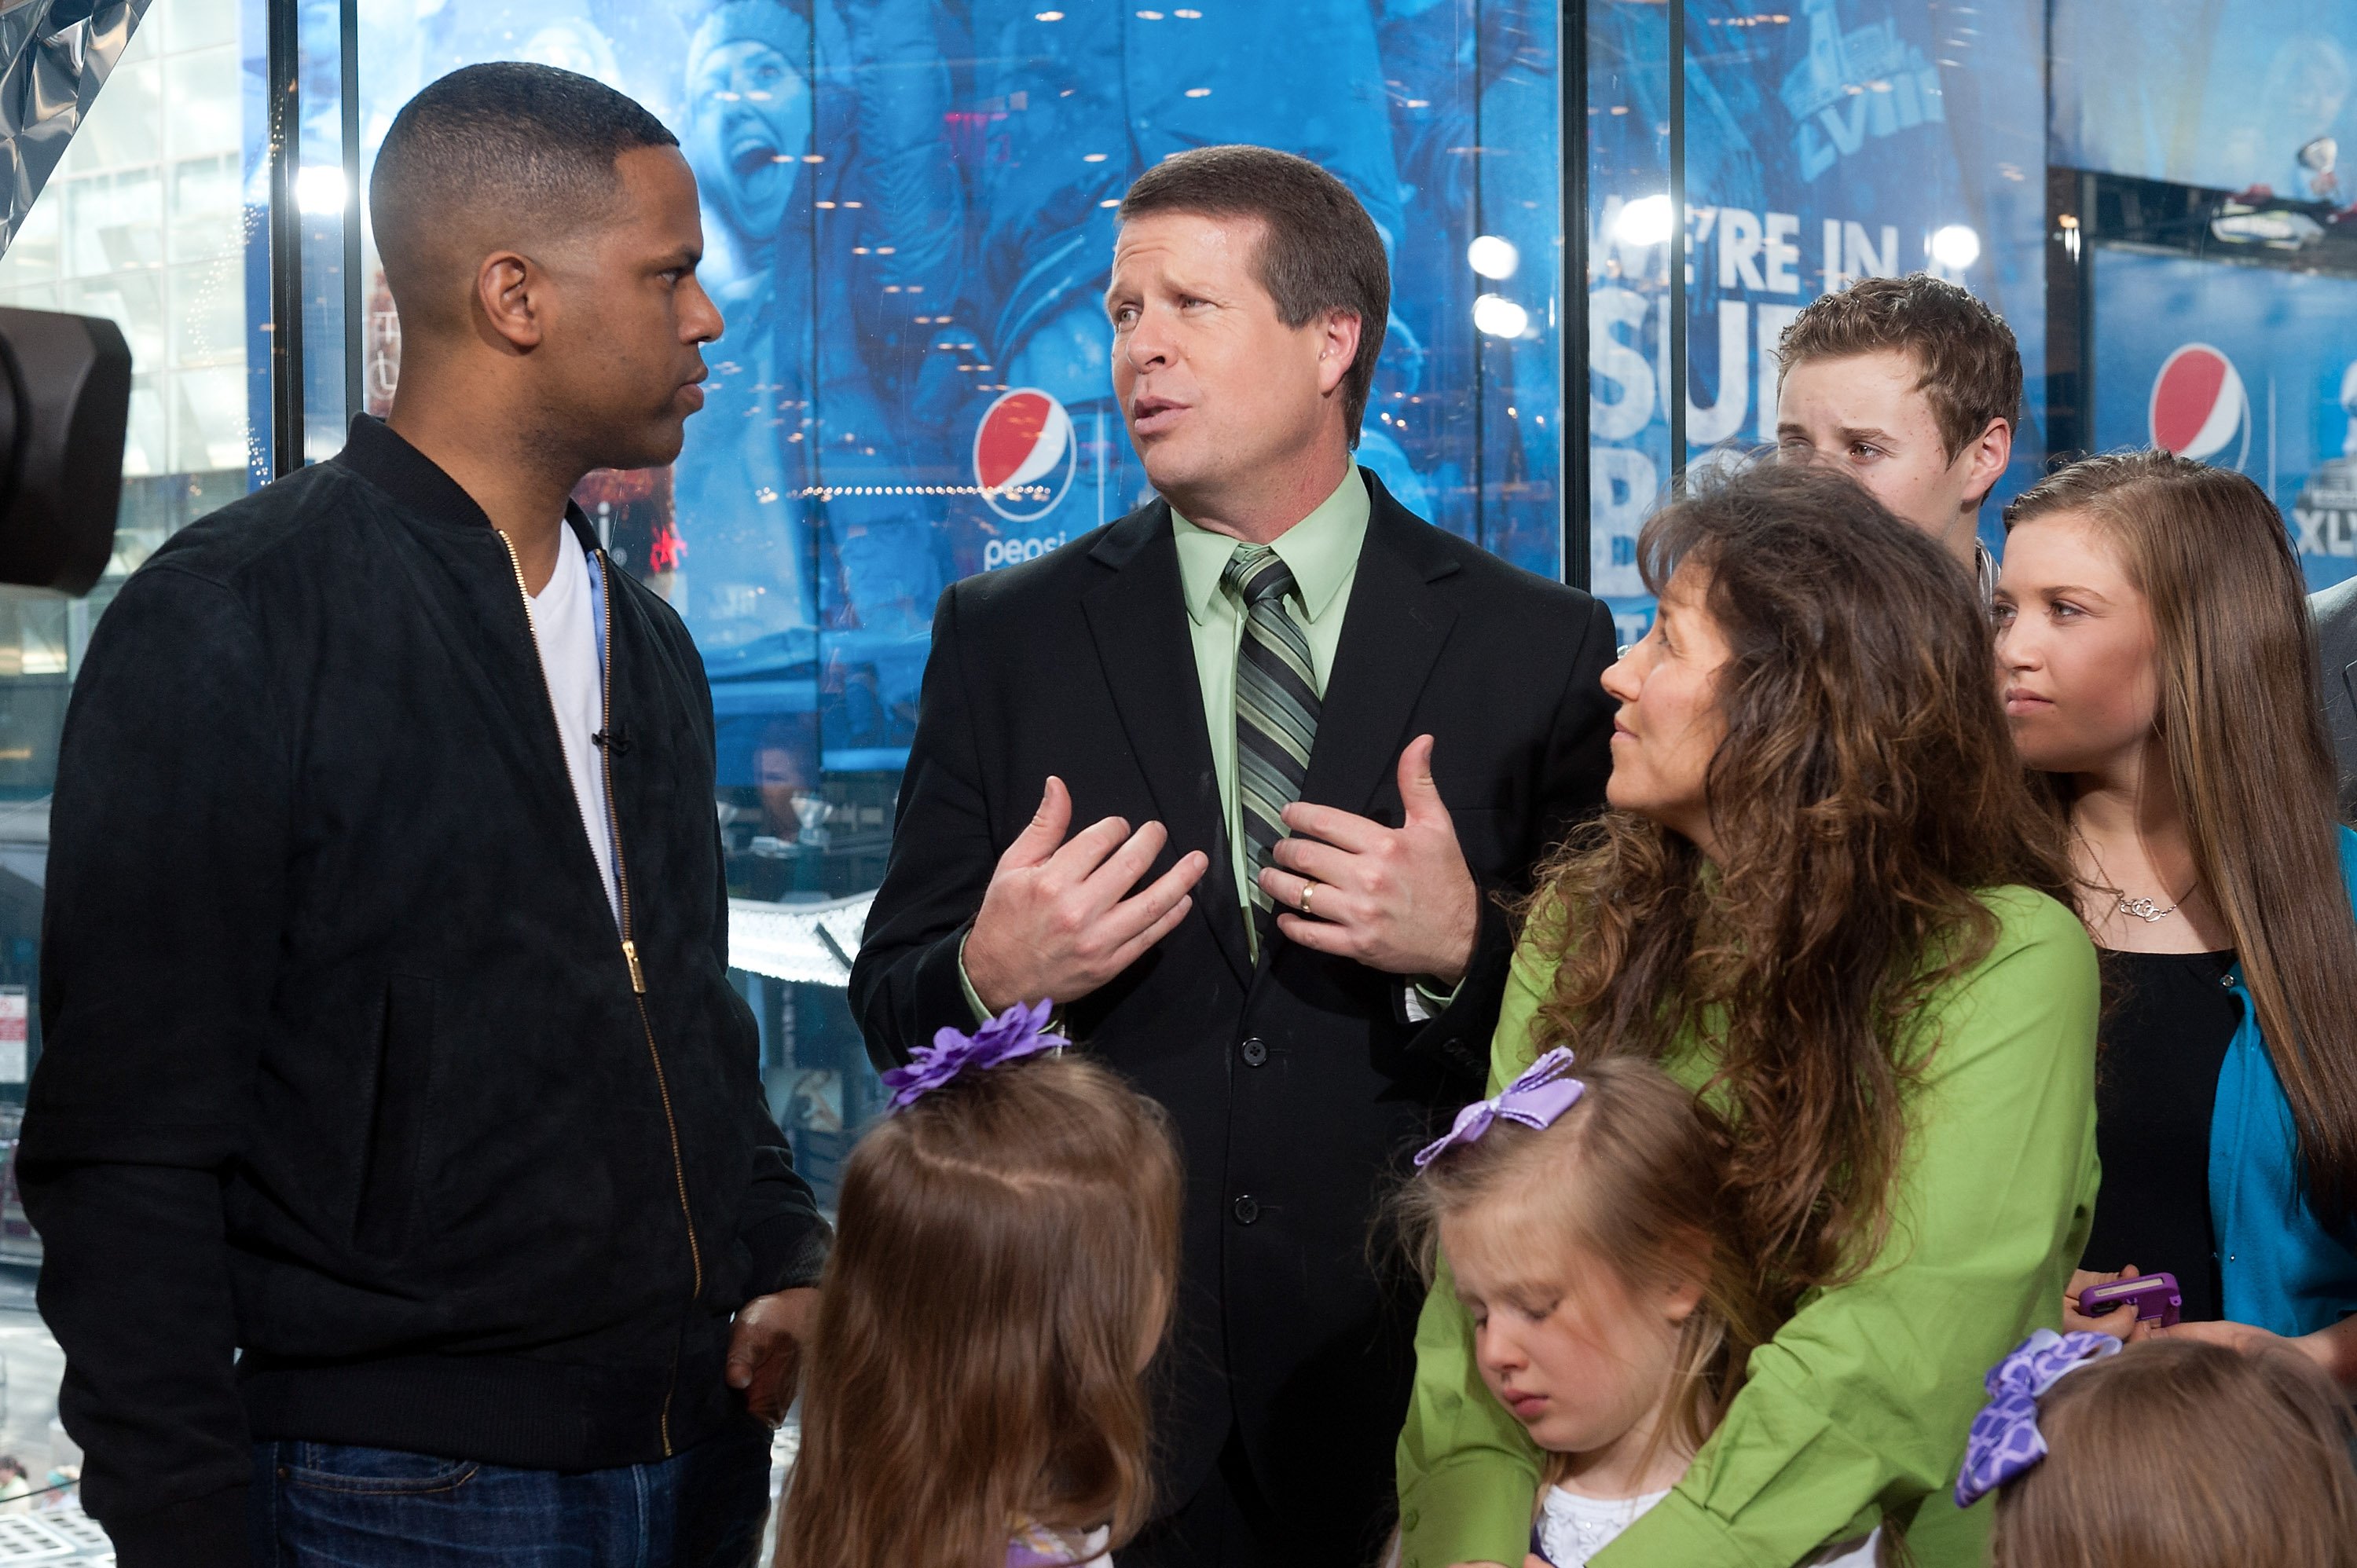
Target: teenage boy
[[1913, 388]]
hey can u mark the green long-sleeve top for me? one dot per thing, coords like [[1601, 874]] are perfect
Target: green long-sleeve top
[[1860, 1403]]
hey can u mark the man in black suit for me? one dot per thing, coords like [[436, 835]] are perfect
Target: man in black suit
[[1346, 734]]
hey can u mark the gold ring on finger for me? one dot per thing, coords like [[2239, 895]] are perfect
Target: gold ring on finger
[[1307, 888]]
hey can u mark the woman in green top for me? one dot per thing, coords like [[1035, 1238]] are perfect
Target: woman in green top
[[1826, 900]]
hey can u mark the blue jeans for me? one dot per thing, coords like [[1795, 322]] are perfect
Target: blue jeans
[[331, 1505]]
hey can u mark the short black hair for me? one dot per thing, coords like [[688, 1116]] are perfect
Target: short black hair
[[1322, 251], [531, 145]]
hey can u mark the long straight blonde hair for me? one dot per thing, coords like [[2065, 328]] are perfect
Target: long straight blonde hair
[[2242, 726], [1008, 1247]]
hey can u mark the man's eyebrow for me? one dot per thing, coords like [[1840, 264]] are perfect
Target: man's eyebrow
[[1864, 433]]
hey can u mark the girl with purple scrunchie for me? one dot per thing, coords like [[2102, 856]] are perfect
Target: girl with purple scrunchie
[[2171, 1453], [1001, 1275], [1588, 1229]]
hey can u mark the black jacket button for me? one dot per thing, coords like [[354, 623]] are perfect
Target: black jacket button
[[1247, 1210], [1256, 1052]]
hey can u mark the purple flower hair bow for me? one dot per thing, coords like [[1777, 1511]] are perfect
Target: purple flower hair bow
[[1544, 1091], [1020, 1031], [2004, 1440]]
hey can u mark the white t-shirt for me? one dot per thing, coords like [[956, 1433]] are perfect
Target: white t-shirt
[[1573, 1529], [565, 622]]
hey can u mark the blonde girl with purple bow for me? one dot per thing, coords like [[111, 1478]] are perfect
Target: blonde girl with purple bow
[[1006, 1251], [1586, 1225], [2172, 1454]]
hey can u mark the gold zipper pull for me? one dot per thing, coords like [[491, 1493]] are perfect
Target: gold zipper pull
[[631, 952]]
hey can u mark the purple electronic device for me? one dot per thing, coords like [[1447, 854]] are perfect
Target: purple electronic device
[[2154, 1297]]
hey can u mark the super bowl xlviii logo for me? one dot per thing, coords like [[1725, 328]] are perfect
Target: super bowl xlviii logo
[[2200, 407], [1024, 454], [1852, 83], [2326, 512]]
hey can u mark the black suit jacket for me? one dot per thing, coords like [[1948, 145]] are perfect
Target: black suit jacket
[[1297, 1085]]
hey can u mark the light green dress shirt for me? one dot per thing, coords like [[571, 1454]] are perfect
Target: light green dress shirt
[[1321, 550], [1861, 1402]]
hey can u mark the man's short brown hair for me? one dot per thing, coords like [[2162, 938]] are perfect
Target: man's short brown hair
[[1321, 252], [1964, 351]]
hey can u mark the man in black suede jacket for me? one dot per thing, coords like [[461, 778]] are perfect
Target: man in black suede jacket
[[398, 1145]]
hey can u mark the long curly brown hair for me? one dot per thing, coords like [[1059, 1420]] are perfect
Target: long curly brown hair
[[1865, 792]]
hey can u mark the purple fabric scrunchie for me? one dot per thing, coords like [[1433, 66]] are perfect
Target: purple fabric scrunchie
[[1544, 1091], [1020, 1031], [2004, 1440]]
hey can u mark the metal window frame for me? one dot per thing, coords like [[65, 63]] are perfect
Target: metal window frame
[[285, 63]]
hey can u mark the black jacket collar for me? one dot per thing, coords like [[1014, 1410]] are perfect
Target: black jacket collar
[[418, 484], [411, 478]]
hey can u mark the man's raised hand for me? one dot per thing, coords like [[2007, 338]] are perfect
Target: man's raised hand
[[1059, 920], [1397, 899]]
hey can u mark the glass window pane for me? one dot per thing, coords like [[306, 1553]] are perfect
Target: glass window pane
[[117, 207], [201, 121], [909, 220]]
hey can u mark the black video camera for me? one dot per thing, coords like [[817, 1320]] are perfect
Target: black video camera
[[65, 402]]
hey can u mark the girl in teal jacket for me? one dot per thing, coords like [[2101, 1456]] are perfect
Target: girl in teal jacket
[[2159, 670]]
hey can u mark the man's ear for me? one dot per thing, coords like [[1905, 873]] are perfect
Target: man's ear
[[511, 307], [1990, 454], [1338, 348]]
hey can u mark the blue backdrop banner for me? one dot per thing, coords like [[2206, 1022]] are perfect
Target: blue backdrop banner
[[2252, 368], [909, 206]]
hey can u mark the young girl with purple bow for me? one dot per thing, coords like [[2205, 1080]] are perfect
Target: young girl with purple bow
[[1008, 1248], [2173, 1453], [1587, 1230]]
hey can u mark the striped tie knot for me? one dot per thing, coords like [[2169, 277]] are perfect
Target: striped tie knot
[[1257, 574]]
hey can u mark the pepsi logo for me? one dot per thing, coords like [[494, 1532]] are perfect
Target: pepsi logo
[[2199, 405], [1024, 454]]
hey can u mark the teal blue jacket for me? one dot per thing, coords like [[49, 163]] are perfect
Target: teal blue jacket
[[2282, 1268]]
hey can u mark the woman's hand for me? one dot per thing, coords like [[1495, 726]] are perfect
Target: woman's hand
[[2334, 1348], [2246, 1337], [2121, 1322]]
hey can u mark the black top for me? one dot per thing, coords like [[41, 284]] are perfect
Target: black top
[[345, 1065], [2168, 1020]]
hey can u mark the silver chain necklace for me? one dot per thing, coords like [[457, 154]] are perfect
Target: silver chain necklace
[[2144, 909]]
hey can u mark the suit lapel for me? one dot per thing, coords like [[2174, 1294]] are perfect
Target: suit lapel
[[1391, 635], [1138, 616]]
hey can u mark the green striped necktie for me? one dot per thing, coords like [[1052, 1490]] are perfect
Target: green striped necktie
[[1276, 707]]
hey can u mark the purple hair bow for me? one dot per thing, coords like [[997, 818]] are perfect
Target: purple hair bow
[[2004, 1440], [1020, 1031], [1544, 1091]]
